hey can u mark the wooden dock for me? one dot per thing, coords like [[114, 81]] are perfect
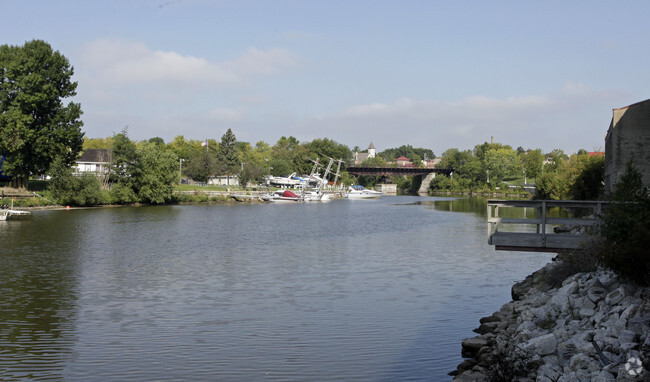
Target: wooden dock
[[538, 234]]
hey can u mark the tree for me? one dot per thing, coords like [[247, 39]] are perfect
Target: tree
[[228, 153], [124, 157], [200, 166], [588, 184], [35, 126], [157, 140], [626, 228], [329, 148], [156, 174], [97, 143], [124, 160], [182, 148], [556, 159], [67, 189], [532, 162], [374, 162], [250, 172], [500, 163], [407, 151]]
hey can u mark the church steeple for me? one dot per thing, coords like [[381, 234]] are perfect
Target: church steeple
[[371, 151]]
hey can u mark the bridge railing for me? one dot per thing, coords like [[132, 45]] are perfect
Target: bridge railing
[[538, 233]]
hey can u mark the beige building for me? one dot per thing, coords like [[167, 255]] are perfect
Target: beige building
[[360, 157], [628, 139]]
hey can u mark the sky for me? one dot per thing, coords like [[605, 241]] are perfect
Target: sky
[[430, 74]]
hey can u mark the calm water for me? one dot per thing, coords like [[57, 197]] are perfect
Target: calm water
[[381, 290]]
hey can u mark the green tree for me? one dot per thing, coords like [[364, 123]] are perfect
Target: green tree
[[556, 159], [68, 189], [500, 162], [124, 157], [329, 148], [35, 126], [185, 149], [97, 143], [228, 156], [157, 140], [200, 166], [626, 228], [374, 162], [250, 172], [156, 174], [588, 184], [532, 162], [123, 169], [280, 167], [407, 151]]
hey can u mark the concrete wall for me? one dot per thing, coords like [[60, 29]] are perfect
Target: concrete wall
[[628, 138]]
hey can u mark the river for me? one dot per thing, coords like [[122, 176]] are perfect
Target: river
[[363, 290]]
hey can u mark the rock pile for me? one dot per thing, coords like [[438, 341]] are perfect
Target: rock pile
[[592, 328]]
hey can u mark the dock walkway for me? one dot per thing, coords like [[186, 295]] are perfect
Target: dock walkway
[[516, 234]]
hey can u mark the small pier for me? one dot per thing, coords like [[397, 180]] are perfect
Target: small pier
[[539, 233]]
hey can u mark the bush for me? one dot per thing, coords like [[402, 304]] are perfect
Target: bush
[[74, 190], [626, 229], [122, 193]]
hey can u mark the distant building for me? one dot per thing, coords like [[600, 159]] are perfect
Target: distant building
[[403, 162], [360, 157], [95, 161], [628, 139], [431, 163]]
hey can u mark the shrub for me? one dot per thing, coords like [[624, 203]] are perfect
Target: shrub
[[69, 189], [626, 229]]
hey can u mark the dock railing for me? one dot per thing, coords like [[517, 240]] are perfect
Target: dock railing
[[516, 234]]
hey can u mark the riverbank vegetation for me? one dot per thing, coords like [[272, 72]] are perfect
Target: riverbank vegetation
[[626, 229], [497, 168]]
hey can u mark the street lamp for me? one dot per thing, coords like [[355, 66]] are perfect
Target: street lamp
[[180, 169]]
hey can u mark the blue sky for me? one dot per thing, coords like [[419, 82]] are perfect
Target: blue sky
[[432, 74]]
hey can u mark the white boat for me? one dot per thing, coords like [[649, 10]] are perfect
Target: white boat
[[7, 214], [285, 181], [283, 196], [360, 192]]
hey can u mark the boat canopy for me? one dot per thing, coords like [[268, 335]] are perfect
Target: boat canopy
[[289, 194]]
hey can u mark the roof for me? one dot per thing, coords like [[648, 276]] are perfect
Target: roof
[[402, 158], [595, 153], [634, 104], [95, 155], [371, 146]]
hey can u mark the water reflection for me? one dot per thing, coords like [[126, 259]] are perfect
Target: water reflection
[[39, 275], [378, 290]]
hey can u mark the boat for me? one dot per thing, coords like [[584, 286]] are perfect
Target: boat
[[311, 187], [360, 192], [283, 196], [285, 181], [7, 214]]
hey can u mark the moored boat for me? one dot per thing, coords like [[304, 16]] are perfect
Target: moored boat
[[7, 214], [283, 196], [360, 192]]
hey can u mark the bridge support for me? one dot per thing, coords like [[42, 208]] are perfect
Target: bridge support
[[426, 182]]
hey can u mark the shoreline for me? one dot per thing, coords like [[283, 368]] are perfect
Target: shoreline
[[590, 326]]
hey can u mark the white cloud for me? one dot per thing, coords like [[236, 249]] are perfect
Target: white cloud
[[226, 115], [575, 116], [119, 62], [259, 62]]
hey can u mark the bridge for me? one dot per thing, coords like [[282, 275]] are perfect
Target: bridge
[[551, 234], [396, 171], [429, 173]]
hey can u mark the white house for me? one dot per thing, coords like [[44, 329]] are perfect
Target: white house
[[95, 161]]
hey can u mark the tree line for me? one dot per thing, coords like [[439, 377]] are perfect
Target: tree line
[[494, 166], [40, 134]]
